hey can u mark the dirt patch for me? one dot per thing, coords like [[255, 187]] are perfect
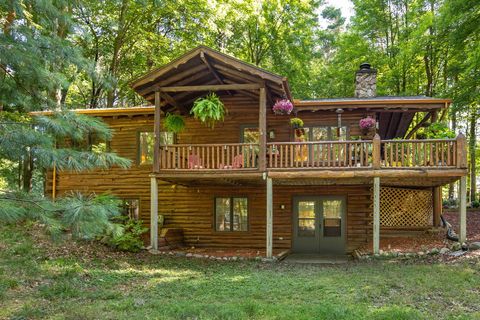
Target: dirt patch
[[428, 241]]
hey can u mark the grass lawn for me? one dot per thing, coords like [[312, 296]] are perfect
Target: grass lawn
[[41, 280]]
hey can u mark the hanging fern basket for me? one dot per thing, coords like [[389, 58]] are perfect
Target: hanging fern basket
[[209, 110], [174, 123]]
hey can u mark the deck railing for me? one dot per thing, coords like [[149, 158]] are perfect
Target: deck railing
[[236, 156], [433, 153], [319, 154], [376, 154]]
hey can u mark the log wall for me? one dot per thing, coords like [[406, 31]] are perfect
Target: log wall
[[192, 208]]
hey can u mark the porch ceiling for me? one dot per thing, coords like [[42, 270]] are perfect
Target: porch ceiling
[[205, 66]]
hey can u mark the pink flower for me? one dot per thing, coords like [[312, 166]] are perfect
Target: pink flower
[[367, 123], [282, 107]]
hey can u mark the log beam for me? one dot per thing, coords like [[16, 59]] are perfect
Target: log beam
[[262, 128], [269, 227], [462, 221], [437, 205], [212, 70], [376, 215], [216, 87], [153, 213], [156, 129]]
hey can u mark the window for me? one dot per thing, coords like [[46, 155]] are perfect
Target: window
[[131, 208], [231, 214], [320, 133], [332, 218], [146, 143], [250, 135], [97, 144]]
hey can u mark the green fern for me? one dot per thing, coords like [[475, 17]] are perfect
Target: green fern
[[209, 110], [174, 123]]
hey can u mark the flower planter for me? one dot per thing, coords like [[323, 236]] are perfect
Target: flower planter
[[282, 107]]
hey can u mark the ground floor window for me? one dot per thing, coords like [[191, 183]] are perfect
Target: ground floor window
[[131, 208], [231, 214]]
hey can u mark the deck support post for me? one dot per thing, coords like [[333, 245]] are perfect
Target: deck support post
[[462, 221], [262, 128], [376, 215], [437, 205], [153, 212], [156, 129], [269, 217]]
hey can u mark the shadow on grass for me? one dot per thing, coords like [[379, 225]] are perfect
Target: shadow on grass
[[142, 286]]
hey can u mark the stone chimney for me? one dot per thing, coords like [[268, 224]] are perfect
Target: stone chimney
[[365, 82]]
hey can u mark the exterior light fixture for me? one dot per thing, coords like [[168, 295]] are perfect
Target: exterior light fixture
[[271, 134]]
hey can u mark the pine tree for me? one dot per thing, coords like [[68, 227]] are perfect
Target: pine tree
[[37, 64]]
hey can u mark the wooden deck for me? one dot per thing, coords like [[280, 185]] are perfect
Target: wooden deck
[[362, 159]]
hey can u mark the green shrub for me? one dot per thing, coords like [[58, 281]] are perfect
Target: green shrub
[[130, 237], [450, 203], [475, 204]]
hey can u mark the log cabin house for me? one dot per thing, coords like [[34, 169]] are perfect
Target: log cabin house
[[325, 188]]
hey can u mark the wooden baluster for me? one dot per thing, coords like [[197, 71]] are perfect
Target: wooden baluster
[[425, 154], [385, 158], [402, 163], [351, 155], [442, 154], [362, 154], [291, 157], [449, 144], [329, 148], [281, 156]]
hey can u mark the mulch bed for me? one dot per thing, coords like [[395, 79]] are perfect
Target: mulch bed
[[429, 241]]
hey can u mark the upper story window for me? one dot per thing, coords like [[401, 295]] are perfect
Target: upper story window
[[231, 214], [92, 142], [250, 135], [321, 133], [146, 143]]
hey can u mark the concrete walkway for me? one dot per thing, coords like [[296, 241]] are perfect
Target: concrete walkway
[[305, 258]]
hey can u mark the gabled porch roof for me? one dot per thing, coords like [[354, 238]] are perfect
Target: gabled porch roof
[[204, 66]]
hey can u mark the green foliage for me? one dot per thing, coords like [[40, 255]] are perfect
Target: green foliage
[[127, 286], [209, 110], [296, 122], [436, 130], [88, 216], [85, 217], [130, 237], [475, 204], [174, 123]]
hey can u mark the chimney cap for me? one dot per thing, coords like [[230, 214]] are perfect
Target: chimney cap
[[365, 66]]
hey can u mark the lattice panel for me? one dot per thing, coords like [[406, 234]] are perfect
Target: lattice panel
[[405, 207]]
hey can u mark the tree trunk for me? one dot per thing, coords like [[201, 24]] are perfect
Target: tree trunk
[[471, 150], [27, 171]]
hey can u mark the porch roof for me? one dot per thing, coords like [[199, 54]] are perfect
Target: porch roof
[[204, 66]]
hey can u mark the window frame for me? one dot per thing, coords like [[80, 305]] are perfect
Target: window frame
[[246, 126], [329, 132], [231, 214], [137, 142]]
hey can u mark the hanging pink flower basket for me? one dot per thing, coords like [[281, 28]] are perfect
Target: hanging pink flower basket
[[367, 123], [283, 106]]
